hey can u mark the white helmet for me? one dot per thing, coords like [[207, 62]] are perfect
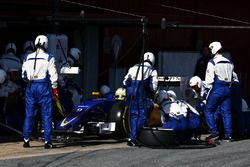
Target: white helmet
[[148, 56], [75, 52], [171, 95], [120, 94], [104, 90], [162, 94], [28, 45], [195, 80], [215, 47], [41, 40], [2, 76], [10, 46]]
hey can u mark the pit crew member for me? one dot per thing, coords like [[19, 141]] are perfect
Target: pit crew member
[[139, 87], [40, 74], [219, 76]]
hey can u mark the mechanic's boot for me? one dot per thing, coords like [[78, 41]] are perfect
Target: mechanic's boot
[[49, 145], [227, 139], [26, 144], [213, 137], [131, 143]]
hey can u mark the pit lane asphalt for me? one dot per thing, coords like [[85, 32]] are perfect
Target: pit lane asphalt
[[112, 153]]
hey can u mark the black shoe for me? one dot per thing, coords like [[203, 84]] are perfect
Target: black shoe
[[26, 144], [131, 143], [49, 145], [213, 137], [227, 139]]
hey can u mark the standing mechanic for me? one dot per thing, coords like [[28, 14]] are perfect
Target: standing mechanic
[[9, 60], [219, 75], [40, 73], [12, 65], [141, 82]]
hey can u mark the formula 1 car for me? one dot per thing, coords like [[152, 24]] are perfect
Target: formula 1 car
[[102, 116], [107, 116]]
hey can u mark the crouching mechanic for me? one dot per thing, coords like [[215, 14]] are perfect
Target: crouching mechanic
[[138, 89], [40, 74], [178, 115], [199, 92]]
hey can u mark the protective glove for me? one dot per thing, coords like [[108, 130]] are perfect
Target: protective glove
[[201, 106], [55, 92], [205, 94]]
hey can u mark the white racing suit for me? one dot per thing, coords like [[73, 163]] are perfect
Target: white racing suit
[[201, 97], [219, 76], [12, 105], [40, 79], [138, 90], [10, 61], [11, 112], [24, 55]]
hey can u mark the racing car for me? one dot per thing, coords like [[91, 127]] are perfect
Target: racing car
[[105, 116], [102, 116], [110, 116]]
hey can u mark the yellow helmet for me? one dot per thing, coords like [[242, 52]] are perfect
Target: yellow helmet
[[120, 94]]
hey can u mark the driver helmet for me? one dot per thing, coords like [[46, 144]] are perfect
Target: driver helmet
[[120, 94]]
